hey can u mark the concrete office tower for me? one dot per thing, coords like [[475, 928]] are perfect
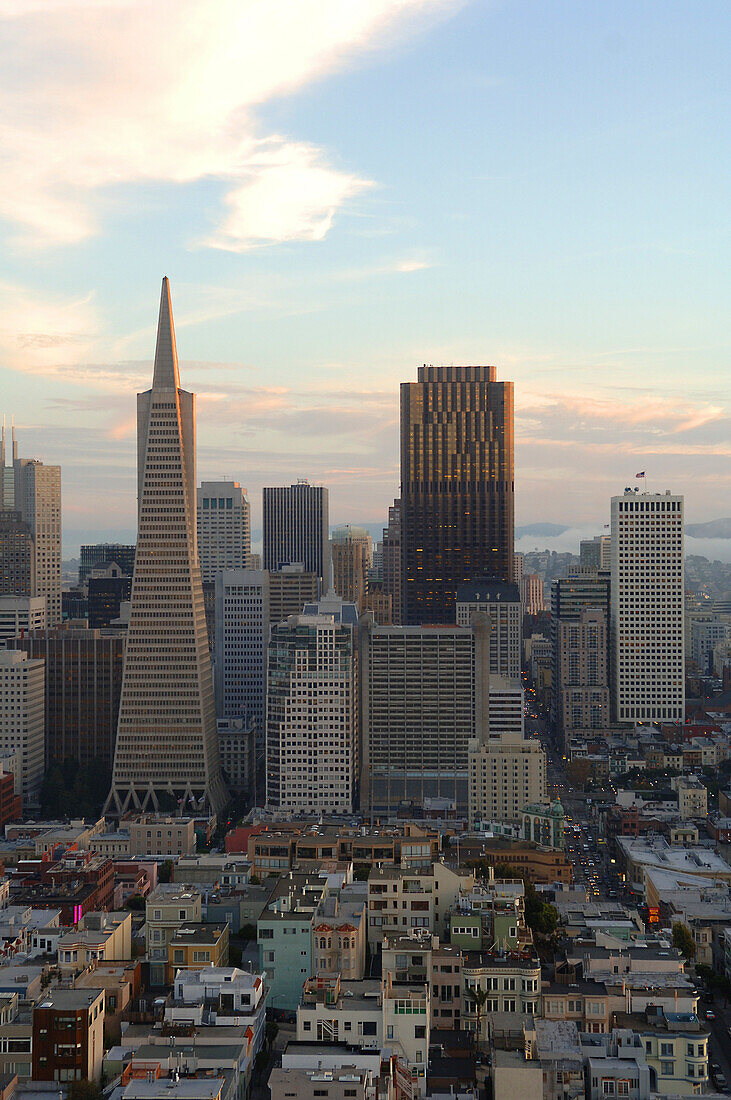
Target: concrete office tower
[[500, 602], [97, 555], [392, 563], [296, 528], [83, 684], [19, 614], [352, 555], [457, 514], [531, 593], [38, 499], [582, 590], [312, 715], [167, 742], [224, 528], [290, 588], [582, 673], [423, 697], [596, 553], [518, 567], [107, 589], [647, 639], [704, 637], [7, 473], [242, 636], [22, 728], [17, 556]]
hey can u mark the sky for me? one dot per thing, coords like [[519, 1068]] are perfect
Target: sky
[[341, 192]]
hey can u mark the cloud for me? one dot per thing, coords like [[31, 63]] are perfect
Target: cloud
[[663, 414], [45, 335], [96, 94]]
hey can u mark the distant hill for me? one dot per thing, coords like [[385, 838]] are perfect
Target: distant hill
[[714, 529], [548, 530]]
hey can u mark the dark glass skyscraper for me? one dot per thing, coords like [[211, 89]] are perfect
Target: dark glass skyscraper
[[457, 486]]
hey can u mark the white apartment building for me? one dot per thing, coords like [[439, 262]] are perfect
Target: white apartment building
[[242, 635], [647, 635], [23, 718], [312, 715], [500, 602], [20, 614], [224, 528]]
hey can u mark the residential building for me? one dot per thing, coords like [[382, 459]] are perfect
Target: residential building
[[195, 944], [93, 555], [692, 797], [675, 1046], [647, 636], [424, 691], [416, 902], [457, 491], [22, 720], [352, 554], [168, 907], [167, 739], [339, 1083], [296, 528], [224, 527], [83, 686], [238, 998], [339, 938], [541, 865], [68, 1036], [312, 713], [156, 835], [512, 980], [506, 775], [20, 614], [586, 1003], [500, 602], [284, 935], [98, 937]]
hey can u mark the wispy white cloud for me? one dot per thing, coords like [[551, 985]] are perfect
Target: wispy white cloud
[[95, 93]]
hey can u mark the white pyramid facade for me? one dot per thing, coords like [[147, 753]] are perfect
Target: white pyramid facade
[[166, 734]]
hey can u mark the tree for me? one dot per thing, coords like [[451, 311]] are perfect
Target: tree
[[683, 940], [165, 874], [136, 902], [84, 1090], [540, 916], [478, 997]]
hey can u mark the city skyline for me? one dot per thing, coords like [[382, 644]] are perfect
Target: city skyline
[[427, 182]]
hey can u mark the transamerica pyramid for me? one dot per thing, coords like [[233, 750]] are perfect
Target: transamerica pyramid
[[167, 744]]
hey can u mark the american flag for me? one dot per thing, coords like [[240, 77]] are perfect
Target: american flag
[[641, 474]]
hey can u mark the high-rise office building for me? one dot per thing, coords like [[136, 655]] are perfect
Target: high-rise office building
[[312, 712], [7, 472], [392, 563], [83, 683], [352, 554], [581, 673], [19, 614], [423, 697], [577, 697], [224, 528], [107, 588], [242, 628], [17, 556], [457, 513], [647, 637], [167, 742], [37, 499], [518, 567], [507, 774], [290, 588], [97, 555], [531, 594], [500, 602], [704, 637], [296, 528], [596, 553], [22, 730]]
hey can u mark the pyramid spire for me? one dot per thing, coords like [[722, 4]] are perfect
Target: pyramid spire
[[165, 375]]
